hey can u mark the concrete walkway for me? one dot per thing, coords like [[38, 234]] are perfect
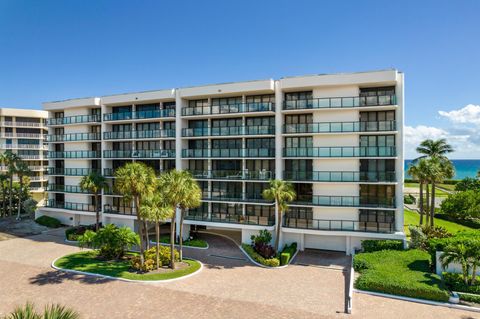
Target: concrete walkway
[[228, 287]]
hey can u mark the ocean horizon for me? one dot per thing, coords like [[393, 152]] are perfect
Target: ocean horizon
[[463, 167]]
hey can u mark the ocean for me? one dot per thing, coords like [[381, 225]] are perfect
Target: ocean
[[463, 168]]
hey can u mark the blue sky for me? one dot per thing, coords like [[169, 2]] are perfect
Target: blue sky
[[53, 50]]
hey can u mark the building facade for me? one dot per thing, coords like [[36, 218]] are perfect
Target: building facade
[[338, 138], [23, 132]]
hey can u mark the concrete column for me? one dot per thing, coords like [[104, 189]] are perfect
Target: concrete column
[[400, 145], [103, 146], [178, 144], [278, 131]]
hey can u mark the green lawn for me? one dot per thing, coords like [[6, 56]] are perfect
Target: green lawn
[[190, 242], [406, 273], [413, 218], [438, 192], [86, 261]]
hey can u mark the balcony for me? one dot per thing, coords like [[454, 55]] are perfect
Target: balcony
[[66, 189], [230, 218], [77, 119], [233, 175], [73, 154], [74, 137], [346, 201], [127, 135], [119, 210], [22, 135], [340, 102], [341, 176], [339, 127], [32, 168], [24, 124], [229, 131], [51, 203], [228, 109], [139, 115], [337, 225], [139, 154], [72, 171], [216, 196], [24, 146], [341, 151], [228, 152]]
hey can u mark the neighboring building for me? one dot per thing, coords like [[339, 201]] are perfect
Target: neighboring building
[[338, 138], [23, 132]]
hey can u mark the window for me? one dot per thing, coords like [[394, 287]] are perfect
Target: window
[[197, 124], [260, 165], [153, 126], [147, 145], [121, 127], [299, 119], [295, 142], [377, 140], [227, 144], [169, 125], [223, 165], [260, 143], [235, 122], [197, 165], [168, 145], [198, 144], [300, 212], [260, 121], [227, 101], [388, 90], [147, 107], [169, 105], [377, 165], [294, 96], [266, 98], [303, 165], [198, 103], [121, 109], [122, 146], [377, 116]]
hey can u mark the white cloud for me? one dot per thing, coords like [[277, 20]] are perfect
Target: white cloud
[[469, 114]]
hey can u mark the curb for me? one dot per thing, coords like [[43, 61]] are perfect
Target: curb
[[421, 301], [124, 279]]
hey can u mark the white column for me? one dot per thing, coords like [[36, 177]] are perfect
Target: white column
[[278, 131], [178, 146], [400, 145]]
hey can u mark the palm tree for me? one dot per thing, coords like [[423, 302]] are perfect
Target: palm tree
[[155, 207], [456, 253], [282, 193], [4, 187], [184, 194], [135, 181], [94, 183], [431, 148], [10, 160], [415, 171], [21, 170], [440, 169]]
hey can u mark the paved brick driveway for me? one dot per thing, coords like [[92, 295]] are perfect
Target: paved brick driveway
[[228, 287]]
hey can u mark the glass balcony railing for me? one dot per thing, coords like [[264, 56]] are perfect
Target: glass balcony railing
[[126, 135], [66, 189], [230, 218], [343, 176], [234, 197], [228, 152], [337, 225], [340, 127], [229, 108], [340, 102], [121, 210], [74, 137], [341, 151], [138, 115], [139, 154], [347, 201], [74, 154], [77, 119], [228, 131], [233, 175], [51, 203], [72, 171]]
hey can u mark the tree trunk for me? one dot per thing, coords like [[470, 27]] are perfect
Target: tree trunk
[[474, 274], [421, 203], [432, 206], [19, 208], [157, 231], [180, 241], [278, 225], [172, 240], [97, 212], [427, 204], [147, 239], [140, 228], [10, 197], [4, 201]]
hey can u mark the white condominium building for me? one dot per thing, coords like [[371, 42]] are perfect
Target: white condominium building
[[23, 132], [337, 137]]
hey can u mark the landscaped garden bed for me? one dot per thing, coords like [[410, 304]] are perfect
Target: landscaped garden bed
[[91, 262], [405, 273], [73, 233], [191, 242]]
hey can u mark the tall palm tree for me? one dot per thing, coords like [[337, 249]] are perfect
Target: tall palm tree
[[135, 181], [10, 160], [21, 170], [416, 173], [155, 207], [187, 194], [437, 148], [4, 187], [282, 193], [94, 183], [440, 169]]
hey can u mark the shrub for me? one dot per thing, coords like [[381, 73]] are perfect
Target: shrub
[[455, 282], [468, 183], [264, 237], [468, 222], [111, 242], [404, 273], [261, 244], [470, 298], [287, 253], [417, 238], [73, 233], [150, 257], [377, 245], [409, 199], [270, 262], [48, 221], [462, 205]]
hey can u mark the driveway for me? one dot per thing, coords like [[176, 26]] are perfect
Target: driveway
[[228, 287]]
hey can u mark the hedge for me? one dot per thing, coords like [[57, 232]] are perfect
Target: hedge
[[287, 253], [48, 221], [448, 181], [405, 273], [470, 298], [372, 245], [272, 262], [439, 244], [472, 223], [455, 283]]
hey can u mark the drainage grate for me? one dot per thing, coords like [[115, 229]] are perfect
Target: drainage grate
[[228, 257]]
